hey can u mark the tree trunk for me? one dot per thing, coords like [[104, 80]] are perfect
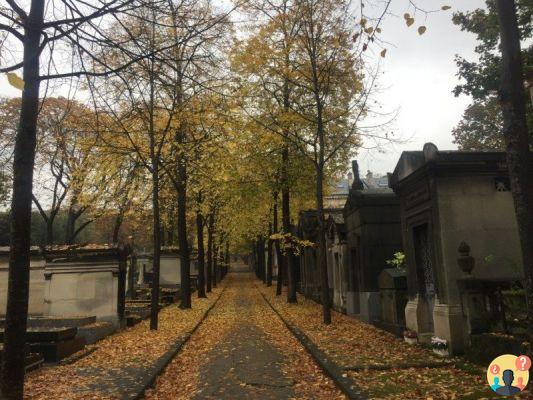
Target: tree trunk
[[513, 104], [49, 231], [154, 158], [12, 374], [215, 264], [286, 222], [255, 263], [277, 247], [201, 252], [256, 258], [157, 247], [131, 277], [319, 166], [209, 276], [170, 237], [285, 192], [270, 260], [262, 263], [116, 227], [182, 236], [226, 260], [322, 261], [71, 225]]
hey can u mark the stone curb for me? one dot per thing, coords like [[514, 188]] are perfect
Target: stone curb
[[345, 384], [162, 362]]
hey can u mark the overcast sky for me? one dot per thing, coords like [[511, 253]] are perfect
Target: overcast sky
[[419, 75]]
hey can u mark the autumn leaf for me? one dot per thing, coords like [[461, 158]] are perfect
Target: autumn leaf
[[406, 16], [444, 8], [421, 30], [15, 81], [410, 21], [383, 52]]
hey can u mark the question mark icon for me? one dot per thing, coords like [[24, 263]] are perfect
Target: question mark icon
[[523, 363], [495, 369]]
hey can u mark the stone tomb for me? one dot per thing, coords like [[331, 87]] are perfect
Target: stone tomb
[[144, 263], [309, 273], [169, 270], [393, 298], [86, 281], [450, 197], [170, 267], [53, 344], [337, 260], [373, 234], [37, 282]]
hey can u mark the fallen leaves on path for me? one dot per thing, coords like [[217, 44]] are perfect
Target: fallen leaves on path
[[133, 347], [353, 343], [182, 380]]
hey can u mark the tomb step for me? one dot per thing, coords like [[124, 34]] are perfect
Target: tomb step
[[132, 320], [56, 351], [37, 335], [33, 361], [94, 332], [141, 312], [56, 321]]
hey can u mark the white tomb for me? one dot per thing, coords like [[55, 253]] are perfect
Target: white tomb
[[86, 281], [170, 267], [37, 283]]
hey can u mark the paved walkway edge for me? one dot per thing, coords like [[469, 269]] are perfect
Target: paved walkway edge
[[345, 384], [162, 362]]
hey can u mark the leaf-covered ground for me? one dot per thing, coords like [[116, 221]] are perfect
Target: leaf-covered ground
[[353, 344], [118, 359], [243, 351]]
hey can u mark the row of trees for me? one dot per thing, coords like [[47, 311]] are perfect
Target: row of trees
[[172, 120], [499, 119], [481, 127], [165, 119], [142, 118]]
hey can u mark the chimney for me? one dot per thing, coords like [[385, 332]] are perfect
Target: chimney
[[357, 183]]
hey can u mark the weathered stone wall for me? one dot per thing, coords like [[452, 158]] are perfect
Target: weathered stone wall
[[373, 234], [170, 270], [37, 283], [337, 276], [76, 289], [472, 210]]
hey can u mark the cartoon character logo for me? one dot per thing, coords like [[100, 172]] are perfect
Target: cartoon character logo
[[508, 374]]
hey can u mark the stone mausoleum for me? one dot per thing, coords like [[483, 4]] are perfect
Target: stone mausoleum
[[372, 224], [453, 203]]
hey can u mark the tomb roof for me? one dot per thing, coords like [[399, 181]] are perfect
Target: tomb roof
[[458, 161]]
